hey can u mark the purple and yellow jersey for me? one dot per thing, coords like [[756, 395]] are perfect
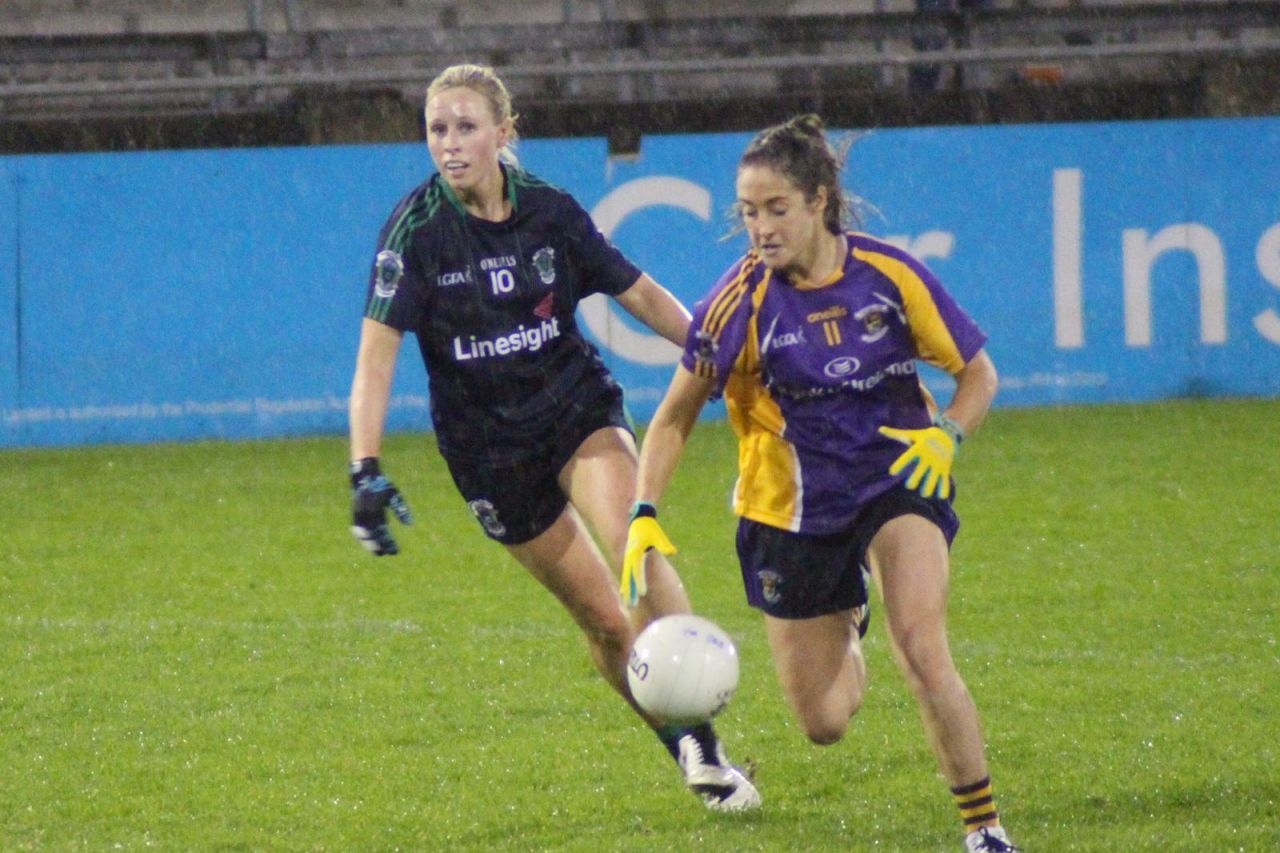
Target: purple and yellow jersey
[[810, 374]]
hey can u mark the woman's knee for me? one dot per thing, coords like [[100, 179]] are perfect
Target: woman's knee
[[826, 735], [825, 717], [925, 659], [825, 727]]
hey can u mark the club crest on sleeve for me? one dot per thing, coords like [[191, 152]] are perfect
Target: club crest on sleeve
[[388, 268], [707, 347]]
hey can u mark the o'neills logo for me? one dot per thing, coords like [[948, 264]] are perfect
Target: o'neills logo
[[835, 312], [524, 338]]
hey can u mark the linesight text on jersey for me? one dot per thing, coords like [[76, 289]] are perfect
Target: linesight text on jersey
[[523, 338]]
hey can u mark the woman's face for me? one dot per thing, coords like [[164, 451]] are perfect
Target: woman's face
[[464, 137], [784, 228]]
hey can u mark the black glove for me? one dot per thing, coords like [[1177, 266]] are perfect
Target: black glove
[[372, 493]]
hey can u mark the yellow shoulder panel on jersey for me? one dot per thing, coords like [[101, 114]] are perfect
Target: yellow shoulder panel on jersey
[[933, 338]]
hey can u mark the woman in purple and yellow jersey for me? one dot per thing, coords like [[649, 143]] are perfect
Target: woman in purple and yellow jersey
[[485, 265], [813, 339]]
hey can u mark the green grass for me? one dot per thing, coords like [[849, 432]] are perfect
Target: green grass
[[197, 656]]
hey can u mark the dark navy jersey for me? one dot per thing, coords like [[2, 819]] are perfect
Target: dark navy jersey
[[492, 305]]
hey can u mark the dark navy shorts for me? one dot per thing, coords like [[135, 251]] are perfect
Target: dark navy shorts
[[803, 575], [515, 502]]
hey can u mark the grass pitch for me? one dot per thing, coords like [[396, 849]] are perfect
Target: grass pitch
[[198, 656]]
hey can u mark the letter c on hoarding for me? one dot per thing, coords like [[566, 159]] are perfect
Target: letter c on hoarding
[[597, 311]]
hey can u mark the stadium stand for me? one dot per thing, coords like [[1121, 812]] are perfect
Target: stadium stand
[[621, 65]]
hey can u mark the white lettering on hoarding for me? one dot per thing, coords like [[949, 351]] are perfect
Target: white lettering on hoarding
[[1068, 243], [1268, 257], [597, 312], [1141, 254]]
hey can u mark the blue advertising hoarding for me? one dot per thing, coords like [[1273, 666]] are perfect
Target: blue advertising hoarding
[[10, 330], [182, 295]]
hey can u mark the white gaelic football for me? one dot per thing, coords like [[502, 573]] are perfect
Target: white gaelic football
[[683, 668]]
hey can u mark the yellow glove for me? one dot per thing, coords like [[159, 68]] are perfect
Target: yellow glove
[[643, 535], [931, 450]]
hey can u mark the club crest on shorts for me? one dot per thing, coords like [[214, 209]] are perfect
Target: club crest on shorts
[[544, 261], [388, 268], [487, 514], [769, 583]]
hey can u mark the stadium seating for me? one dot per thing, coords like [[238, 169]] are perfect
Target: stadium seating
[[102, 58]]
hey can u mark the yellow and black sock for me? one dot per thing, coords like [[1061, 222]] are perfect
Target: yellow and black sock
[[977, 805]]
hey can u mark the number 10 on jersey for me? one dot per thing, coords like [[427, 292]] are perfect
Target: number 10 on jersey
[[502, 281]]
